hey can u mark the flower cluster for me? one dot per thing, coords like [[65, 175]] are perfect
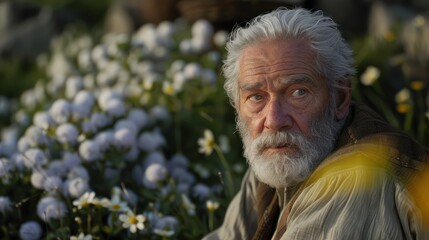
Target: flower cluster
[[98, 148], [392, 61]]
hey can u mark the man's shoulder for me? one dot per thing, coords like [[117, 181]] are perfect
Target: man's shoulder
[[366, 128]]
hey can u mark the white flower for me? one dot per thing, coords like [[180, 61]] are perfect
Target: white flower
[[105, 96], [154, 157], [156, 173], [85, 200], [84, 97], [179, 80], [51, 208], [104, 140], [84, 59], [60, 111], [159, 112], [81, 236], [206, 143], [30, 231], [168, 88], [105, 78], [36, 136], [178, 161], [202, 29], [132, 221], [67, 133], [124, 138], [53, 183], [89, 150], [42, 120], [99, 53], [80, 111], [89, 127], [201, 191], [5, 167], [176, 66], [200, 44], [220, 38], [38, 179], [370, 75], [165, 30], [139, 117], [115, 107], [70, 160], [212, 205], [116, 205], [59, 65], [57, 168], [192, 70], [163, 232], [128, 124], [150, 141], [78, 172], [89, 81], [24, 144], [132, 154], [182, 175], [165, 226], [100, 119], [403, 96], [22, 118], [73, 85], [185, 46], [5, 204], [77, 186], [34, 157]]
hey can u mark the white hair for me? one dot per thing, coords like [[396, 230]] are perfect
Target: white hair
[[334, 56]]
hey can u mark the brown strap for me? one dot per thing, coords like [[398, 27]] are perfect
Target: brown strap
[[267, 223], [282, 224]]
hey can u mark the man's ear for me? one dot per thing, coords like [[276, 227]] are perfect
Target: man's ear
[[343, 98]]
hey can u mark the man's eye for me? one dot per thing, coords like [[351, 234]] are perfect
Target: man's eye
[[299, 93], [255, 97]]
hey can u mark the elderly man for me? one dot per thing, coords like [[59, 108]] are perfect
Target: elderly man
[[321, 166]]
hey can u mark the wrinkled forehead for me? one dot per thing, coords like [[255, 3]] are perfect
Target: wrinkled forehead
[[280, 57]]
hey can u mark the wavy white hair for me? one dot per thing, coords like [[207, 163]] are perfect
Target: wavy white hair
[[334, 55]]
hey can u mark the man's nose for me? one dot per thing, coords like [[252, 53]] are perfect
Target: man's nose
[[277, 116]]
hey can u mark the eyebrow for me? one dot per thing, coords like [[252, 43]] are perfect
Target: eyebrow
[[284, 81]]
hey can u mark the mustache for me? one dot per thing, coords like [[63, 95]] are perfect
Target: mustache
[[278, 139]]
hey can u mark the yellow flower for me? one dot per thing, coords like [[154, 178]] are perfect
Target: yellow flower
[[132, 221], [417, 85], [403, 107], [402, 96], [206, 143], [168, 88], [212, 205], [370, 75]]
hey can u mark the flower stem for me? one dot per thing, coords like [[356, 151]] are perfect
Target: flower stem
[[229, 184], [211, 220]]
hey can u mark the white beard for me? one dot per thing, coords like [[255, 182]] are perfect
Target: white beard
[[281, 170]]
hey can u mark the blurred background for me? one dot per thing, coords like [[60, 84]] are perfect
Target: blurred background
[[28, 26], [130, 93]]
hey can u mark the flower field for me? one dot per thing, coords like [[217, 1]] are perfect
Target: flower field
[[132, 136]]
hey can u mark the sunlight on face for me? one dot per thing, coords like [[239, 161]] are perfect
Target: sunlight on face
[[282, 169]]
